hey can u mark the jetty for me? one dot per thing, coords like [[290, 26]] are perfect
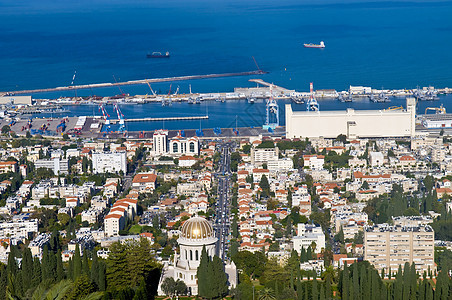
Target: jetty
[[162, 119], [133, 82]]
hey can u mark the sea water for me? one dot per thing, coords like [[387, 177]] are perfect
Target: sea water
[[397, 44]]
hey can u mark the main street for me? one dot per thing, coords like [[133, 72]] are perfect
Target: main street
[[222, 205]]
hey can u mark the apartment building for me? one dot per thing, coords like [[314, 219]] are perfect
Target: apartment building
[[309, 235], [387, 247], [264, 155], [18, 228], [160, 142], [314, 162], [57, 165], [109, 162]]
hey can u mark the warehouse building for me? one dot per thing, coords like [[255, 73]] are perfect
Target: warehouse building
[[16, 100], [352, 123]]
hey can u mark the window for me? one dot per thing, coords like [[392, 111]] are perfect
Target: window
[[175, 148], [196, 255], [192, 147], [186, 257], [191, 255]]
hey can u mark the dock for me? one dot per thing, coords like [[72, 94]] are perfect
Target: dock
[[162, 119], [133, 82], [275, 87]]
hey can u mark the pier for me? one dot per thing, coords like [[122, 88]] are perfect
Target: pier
[[133, 82], [162, 119], [274, 86]]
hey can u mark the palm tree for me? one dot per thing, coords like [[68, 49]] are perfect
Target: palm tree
[[266, 294]]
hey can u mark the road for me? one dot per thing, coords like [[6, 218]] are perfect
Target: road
[[222, 223]]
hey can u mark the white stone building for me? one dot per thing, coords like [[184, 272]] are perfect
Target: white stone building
[[195, 234], [109, 162], [308, 234]]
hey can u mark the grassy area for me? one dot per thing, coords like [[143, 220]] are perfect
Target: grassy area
[[135, 229]]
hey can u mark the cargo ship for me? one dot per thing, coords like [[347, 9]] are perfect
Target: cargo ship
[[158, 55], [321, 45]]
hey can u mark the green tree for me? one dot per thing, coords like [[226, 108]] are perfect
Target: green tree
[[266, 294], [77, 263], [204, 281], [169, 286], [27, 268]]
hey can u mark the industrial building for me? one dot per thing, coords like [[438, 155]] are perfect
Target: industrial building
[[16, 100], [352, 123], [437, 121]]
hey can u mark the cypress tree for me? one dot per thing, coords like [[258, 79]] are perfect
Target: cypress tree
[[299, 290], [45, 263], [309, 253], [77, 263], [364, 286], [85, 264], [315, 291], [306, 291], [202, 273], [52, 268], [413, 282], [345, 283], [302, 255], [27, 268], [95, 269], [11, 267], [36, 280], [3, 281], [322, 292], [383, 292], [70, 269], [398, 285], [102, 281], [407, 281], [422, 289], [356, 293], [429, 292], [59, 267], [328, 286]]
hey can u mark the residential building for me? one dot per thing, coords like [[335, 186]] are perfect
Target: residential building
[[144, 182], [309, 235], [314, 162], [109, 162], [388, 247], [160, 140], [57, 165]]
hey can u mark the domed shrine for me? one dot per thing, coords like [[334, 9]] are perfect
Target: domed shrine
[[195, 233]]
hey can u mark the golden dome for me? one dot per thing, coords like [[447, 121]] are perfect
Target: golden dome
[[196, 228]]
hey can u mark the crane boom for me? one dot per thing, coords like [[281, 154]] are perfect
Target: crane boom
[[255, 62], [122, 94]]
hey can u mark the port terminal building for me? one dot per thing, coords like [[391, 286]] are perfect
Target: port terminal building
[[16, 100], [400, 122]]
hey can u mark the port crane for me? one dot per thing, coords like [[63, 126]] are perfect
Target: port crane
[[312, 104], [122, 126], [168, 101], [120, 90], [395, 108], [152, 91], [272, 110], [106, 116], [438, 110]]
